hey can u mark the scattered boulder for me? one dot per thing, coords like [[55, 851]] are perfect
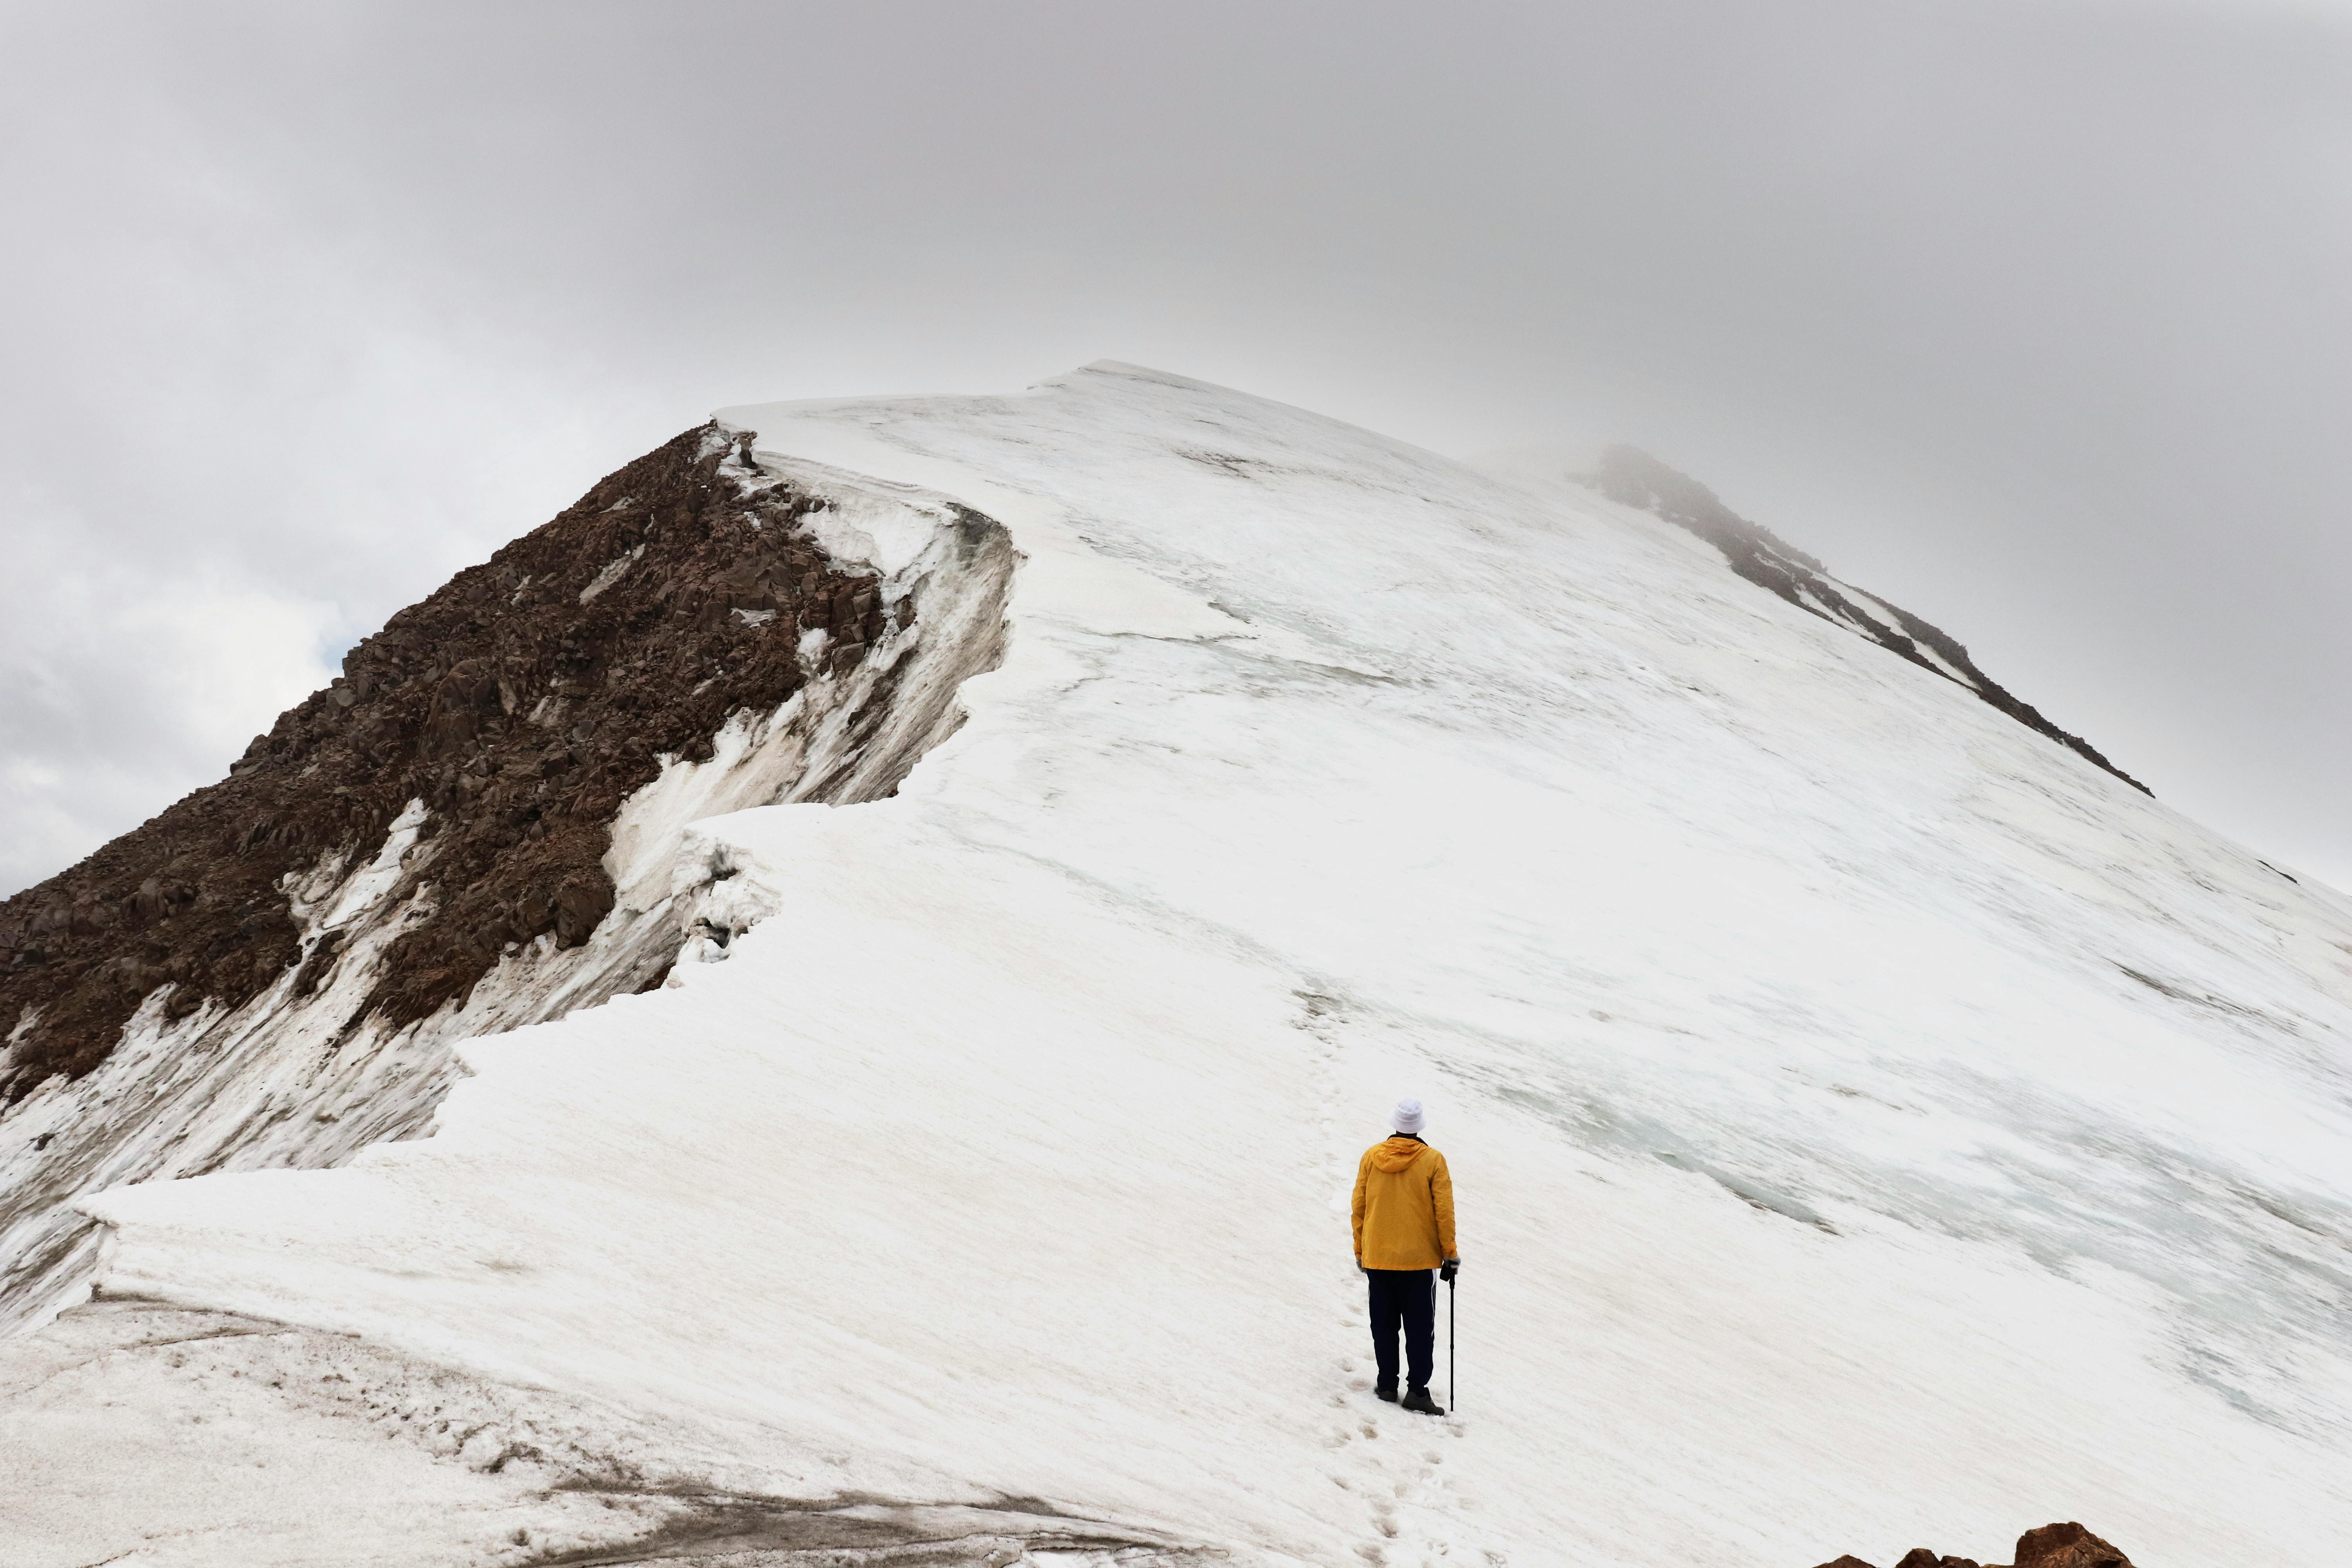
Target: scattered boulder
[[2065, 1545]]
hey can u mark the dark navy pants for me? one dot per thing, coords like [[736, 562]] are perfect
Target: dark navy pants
[[1407, 1299]]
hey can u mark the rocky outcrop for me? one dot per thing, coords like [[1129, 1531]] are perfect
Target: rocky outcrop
[[478, 824], [2065, 1545], [1634, 478], [521, 702]]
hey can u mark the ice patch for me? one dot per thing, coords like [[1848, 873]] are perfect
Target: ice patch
[[610, 575]]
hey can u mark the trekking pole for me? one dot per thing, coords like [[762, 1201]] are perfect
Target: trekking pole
[[1453, 1392]]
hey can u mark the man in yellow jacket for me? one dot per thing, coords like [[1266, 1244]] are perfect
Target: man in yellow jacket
[[1404, 1228]]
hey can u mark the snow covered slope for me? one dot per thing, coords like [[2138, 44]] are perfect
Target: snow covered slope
[[1871, 1122]]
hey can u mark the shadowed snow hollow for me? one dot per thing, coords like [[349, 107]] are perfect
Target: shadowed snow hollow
[[1869, 1120]]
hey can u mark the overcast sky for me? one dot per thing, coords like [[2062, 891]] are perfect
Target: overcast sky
[[2036, 318]]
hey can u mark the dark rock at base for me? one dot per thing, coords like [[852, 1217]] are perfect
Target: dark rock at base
[[2067, 1545], [2051, 1546]]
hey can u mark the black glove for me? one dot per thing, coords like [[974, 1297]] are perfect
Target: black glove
[[1453, 1266]]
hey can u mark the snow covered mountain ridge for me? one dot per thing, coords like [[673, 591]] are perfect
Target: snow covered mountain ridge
[[1870, 1119], [1634, 478]]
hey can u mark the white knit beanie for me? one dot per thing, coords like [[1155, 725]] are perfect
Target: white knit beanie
[[1408, 1117]]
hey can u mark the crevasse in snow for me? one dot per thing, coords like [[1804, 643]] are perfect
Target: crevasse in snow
[[1870, 1123]]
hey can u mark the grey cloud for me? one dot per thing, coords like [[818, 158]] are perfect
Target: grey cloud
[[2033, 317]]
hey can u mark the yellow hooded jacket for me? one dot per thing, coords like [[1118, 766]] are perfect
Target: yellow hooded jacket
[[1403, 1206]]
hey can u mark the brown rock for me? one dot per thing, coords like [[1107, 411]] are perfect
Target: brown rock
[[2067, 1545], [2051, 1546], [317, 964], [458, 702]]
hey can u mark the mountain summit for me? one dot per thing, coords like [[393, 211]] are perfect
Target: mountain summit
[[842, 984]]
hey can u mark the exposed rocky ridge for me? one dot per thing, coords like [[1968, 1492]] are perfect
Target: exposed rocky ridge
[[521, 702], [484, 823], [1634, 478], [2067, 1545]]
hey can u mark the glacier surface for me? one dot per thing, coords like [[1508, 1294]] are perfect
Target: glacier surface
[[1871, 1123]]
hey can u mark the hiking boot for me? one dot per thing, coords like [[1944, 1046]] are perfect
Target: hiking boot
[[1387, 1391], [1419, 1400]]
